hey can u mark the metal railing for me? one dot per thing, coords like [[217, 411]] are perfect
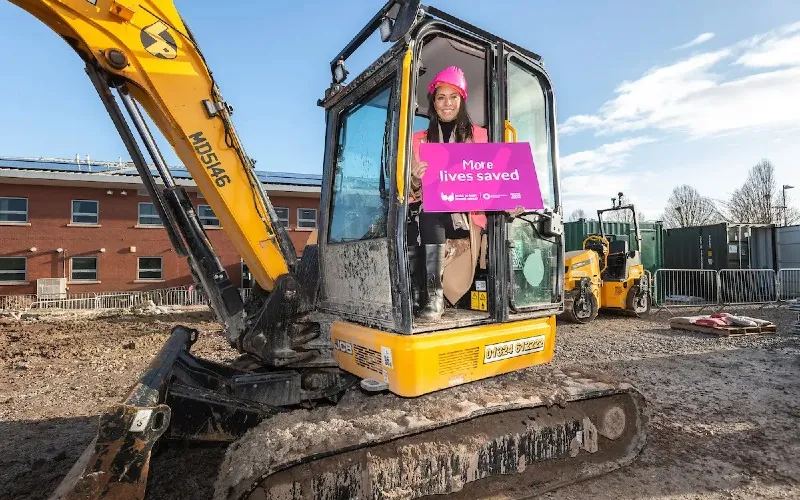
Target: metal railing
[[728, 287], [685, 288], [174, 296], [789, 284], [748, 286]]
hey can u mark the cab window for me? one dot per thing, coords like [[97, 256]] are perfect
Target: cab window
[[359, 202]]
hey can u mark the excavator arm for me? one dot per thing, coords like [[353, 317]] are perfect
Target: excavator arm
[[144, 51]]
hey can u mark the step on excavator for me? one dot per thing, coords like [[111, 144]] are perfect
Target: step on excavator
[[339, 391], [607, 275]]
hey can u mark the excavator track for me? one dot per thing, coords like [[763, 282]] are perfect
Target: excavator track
[[512, 437]]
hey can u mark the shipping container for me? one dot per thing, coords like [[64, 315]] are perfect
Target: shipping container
[[652, 238], [716, 246], [788, 247]]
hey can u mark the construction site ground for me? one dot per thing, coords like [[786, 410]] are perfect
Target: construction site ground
[[725, 412]]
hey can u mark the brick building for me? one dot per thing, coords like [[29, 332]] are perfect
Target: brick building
[[94, 224]]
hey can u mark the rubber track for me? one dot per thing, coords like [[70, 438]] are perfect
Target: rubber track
[[382, 422]]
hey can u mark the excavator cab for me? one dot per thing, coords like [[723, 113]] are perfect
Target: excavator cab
[[338, 391], [507, 271]]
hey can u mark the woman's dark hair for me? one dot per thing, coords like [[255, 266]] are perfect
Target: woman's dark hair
[[463, 129]]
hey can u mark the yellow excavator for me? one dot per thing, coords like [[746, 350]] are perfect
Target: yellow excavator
[[607, 275], [339, 391]]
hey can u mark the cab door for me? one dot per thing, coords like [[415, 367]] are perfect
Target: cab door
[[535, 262], [354, 241]]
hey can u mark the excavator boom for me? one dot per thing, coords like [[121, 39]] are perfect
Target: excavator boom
[[144, 50]]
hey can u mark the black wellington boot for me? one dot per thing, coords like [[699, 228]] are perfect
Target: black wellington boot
[[416, 267], [434, 267]]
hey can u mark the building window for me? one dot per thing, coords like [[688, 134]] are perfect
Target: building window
[[148, 215], [13, 269], [207, 217], [306, 218], [85, 212], [283, 216], [13, 209], [83, 269], [149, 268]]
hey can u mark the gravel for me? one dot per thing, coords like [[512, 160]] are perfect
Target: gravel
[[724, 411]]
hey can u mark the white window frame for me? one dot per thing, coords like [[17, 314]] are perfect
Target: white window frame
[[72, 277], [204, 219], [301, 220], [4, 281], [27, 207], [139, 268], [281, 220], [73, 214], [139, 222]]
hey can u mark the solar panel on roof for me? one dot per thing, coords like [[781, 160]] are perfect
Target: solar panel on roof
[[130, 170]]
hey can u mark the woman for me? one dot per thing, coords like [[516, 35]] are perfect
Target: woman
[[449, 122]]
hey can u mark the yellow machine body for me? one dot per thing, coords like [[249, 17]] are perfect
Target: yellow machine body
[[413, 365]]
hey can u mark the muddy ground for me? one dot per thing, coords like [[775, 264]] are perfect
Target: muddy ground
[[725, 417]]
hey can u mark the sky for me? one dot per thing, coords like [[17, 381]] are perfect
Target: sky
[[650, 95]]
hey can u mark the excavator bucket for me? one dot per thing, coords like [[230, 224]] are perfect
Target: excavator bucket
[[512, 437]]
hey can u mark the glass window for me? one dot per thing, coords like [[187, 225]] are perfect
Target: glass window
[[533, 259], [307, 218], [528, 115], [13, 269], [13, 210], [360, 172], [533, 262], [283, 215], [85, 212], [83, 269], [207, 217], [148, 215], [149, 268]]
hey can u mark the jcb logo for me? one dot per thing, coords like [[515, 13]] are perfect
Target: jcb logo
[[158, 41]]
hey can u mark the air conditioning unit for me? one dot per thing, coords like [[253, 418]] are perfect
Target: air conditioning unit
[[51, 288]]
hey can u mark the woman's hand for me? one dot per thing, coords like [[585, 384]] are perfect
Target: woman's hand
[[418, 170], [516, 211]]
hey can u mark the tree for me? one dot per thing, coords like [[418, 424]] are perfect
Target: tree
[[577, 215], [686, 207], [759, 201]]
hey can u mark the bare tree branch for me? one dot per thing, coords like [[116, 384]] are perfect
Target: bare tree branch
[[759, 200], [577, 215], [686, 207]]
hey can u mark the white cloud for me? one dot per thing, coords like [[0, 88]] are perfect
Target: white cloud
[[702, 38], [692, 95], [612, 155]]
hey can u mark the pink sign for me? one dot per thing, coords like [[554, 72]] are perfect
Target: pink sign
[[465, 177]]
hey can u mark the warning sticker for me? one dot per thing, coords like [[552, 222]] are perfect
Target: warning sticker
[[478, 301]]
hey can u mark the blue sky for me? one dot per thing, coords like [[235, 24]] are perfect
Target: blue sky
[[640, 108]]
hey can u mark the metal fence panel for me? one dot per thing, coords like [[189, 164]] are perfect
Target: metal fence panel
[[788, 284], [748, 286], [686, 288], [175, 296]]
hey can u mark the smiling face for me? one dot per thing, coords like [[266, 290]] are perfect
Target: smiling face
[[447, 102]]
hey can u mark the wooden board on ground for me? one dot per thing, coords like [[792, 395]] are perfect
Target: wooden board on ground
[[726, 331]]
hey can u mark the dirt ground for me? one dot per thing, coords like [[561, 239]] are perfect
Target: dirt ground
[[725, 412]]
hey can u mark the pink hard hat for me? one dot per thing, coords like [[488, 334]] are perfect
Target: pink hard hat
[[452, 76]]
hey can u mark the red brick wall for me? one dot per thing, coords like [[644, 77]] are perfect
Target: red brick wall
[[49, 216]]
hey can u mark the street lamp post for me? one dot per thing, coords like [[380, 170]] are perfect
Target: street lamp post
[[785, 187]]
